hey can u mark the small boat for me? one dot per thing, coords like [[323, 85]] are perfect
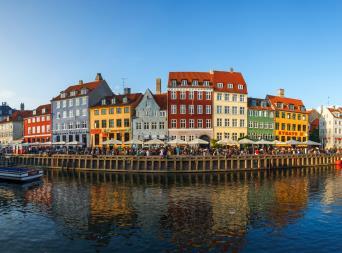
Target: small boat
[[20, 174]]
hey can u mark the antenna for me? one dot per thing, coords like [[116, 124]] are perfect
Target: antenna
[[123, 83]]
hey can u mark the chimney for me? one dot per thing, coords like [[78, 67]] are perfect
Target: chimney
[[158, 86], [22, 106], [231, 69], [281, 93], [98, 77], [127, 91], [80, 82]]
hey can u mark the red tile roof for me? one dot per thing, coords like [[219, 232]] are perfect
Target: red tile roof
[[133, 100], [161, 100], [286, 102], [336, 111], [314, 124], [90, 86], [214, 77], [39, 110], [258, 104], [17, 116]]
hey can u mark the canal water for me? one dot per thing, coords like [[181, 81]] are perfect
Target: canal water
[[278, 211]]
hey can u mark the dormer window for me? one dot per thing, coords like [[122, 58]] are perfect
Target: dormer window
[[103, 101], [279, 105], [230, 86], [43, 111], [263, 104], [194, 82], [34, 112], [184, 82], [63, 95], [291, 106], [73, 93], [219, 85], [174, 83], [206, 83], [113, 101], [124, 100], [84, 91], [240, 86], [303, 109]]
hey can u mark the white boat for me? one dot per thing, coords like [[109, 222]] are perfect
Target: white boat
[[20, 174]]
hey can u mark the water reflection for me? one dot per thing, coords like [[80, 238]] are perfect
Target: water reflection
[[178, 212]]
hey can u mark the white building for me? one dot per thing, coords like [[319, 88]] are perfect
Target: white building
[[330, 127]]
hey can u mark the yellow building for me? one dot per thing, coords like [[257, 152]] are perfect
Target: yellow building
[[229, 105], [291, 118], [112, 117]]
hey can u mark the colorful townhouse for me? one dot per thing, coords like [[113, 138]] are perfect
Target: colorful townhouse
[[330, 127], [111, 118], [189, 99], [260, 119], [229, 105], [70, 110], [37, 127], [12, 127], [291, 119], [150, 121]]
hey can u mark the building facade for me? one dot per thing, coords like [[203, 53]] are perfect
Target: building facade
[[260, 119], [291, 118], [37, 127], [314, 116], [330, 127], [150, 121], [111, 118], [5, 111], [70, 110], [189, 98], [12, 127], [229, 105]]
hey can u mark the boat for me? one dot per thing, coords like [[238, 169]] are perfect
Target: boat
[[20, 174]]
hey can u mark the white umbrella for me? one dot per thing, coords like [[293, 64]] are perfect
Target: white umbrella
[[134, 142], [227, 142], [59, 143], [177, 142], [47, 143], [198, 141], [312, 143], [246, 141], [293, 142], [112, 142], [73, 143], [276, 142], [264, 142], [154, 142]]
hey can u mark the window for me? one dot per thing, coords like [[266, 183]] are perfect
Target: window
[[283, 126], [138, 125], [226, 96], [38, 129], [226, 122], [219, 109], [64, 103], [200, 123], [219, 96], [71, 113], [219, 122], [191, 109], [96, 124], [174, 83], [234, 136], [173, 109], [242, 123], [173, 123], [199, 95], [191, 123], [182, 123], [219, 85], [194, 82], [118, 110], [84, 124], [261, 125], [84, 112], [77, 112], [242, 110], [208, 109], [182, 109], [226, 109], [250, 124], [173, 95], [58, 104], [191, 94], [200, 109], [206, 83], [226, 135], [77, 101], [161, 125], [183, 95], [234, 108], [184, 82], [277, 126], [242, 98], [162, 113], [96, 112], [104, 123], [230, 86], [146, 125], [111, 110], [126, 123], [208, 95], [255, 124], [283, 115], [219, 136], [64, 115], [234, 123], [208, 123], [126, 110], [118, 123], [84, 100], [234, 97], [240, 86], [71, 103]]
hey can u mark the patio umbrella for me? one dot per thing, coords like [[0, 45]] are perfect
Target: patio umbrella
[[177, 142], [134, 142], [276, 142], [293, 142], [312, 143], [246, 141], [73, 143], [154, 142], [227, 142], [264, 142], [59, 143], [114, 142], [47, 143], [198, 141]]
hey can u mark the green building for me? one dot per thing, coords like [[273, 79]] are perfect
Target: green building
[[260, 119]]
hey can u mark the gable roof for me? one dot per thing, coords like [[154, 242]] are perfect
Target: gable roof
[[90, 86], [17, 116], [336, 112], [39, 110], [214, 77], [286, 102], [161, 100]]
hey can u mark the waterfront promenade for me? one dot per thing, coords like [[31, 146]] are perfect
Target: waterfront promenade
[[156, 164]]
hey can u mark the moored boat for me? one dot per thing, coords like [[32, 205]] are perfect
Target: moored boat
[[20, 174]]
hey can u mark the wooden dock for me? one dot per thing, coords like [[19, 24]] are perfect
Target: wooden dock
[[173, 164]]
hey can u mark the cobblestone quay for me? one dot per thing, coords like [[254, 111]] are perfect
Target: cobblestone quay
[[173, 163]]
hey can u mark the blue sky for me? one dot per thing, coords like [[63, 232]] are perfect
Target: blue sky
[[47, 45]]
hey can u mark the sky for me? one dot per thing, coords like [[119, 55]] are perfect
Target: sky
[[45, 46]]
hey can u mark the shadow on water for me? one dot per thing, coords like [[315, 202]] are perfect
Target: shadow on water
[[166, 212]]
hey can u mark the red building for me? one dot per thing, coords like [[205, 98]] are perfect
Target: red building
[[37, 127], [190, 105]]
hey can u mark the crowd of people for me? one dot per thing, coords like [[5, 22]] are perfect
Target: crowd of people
[[165, 151]]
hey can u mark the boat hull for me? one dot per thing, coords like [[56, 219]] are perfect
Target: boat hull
[[20, 174]]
